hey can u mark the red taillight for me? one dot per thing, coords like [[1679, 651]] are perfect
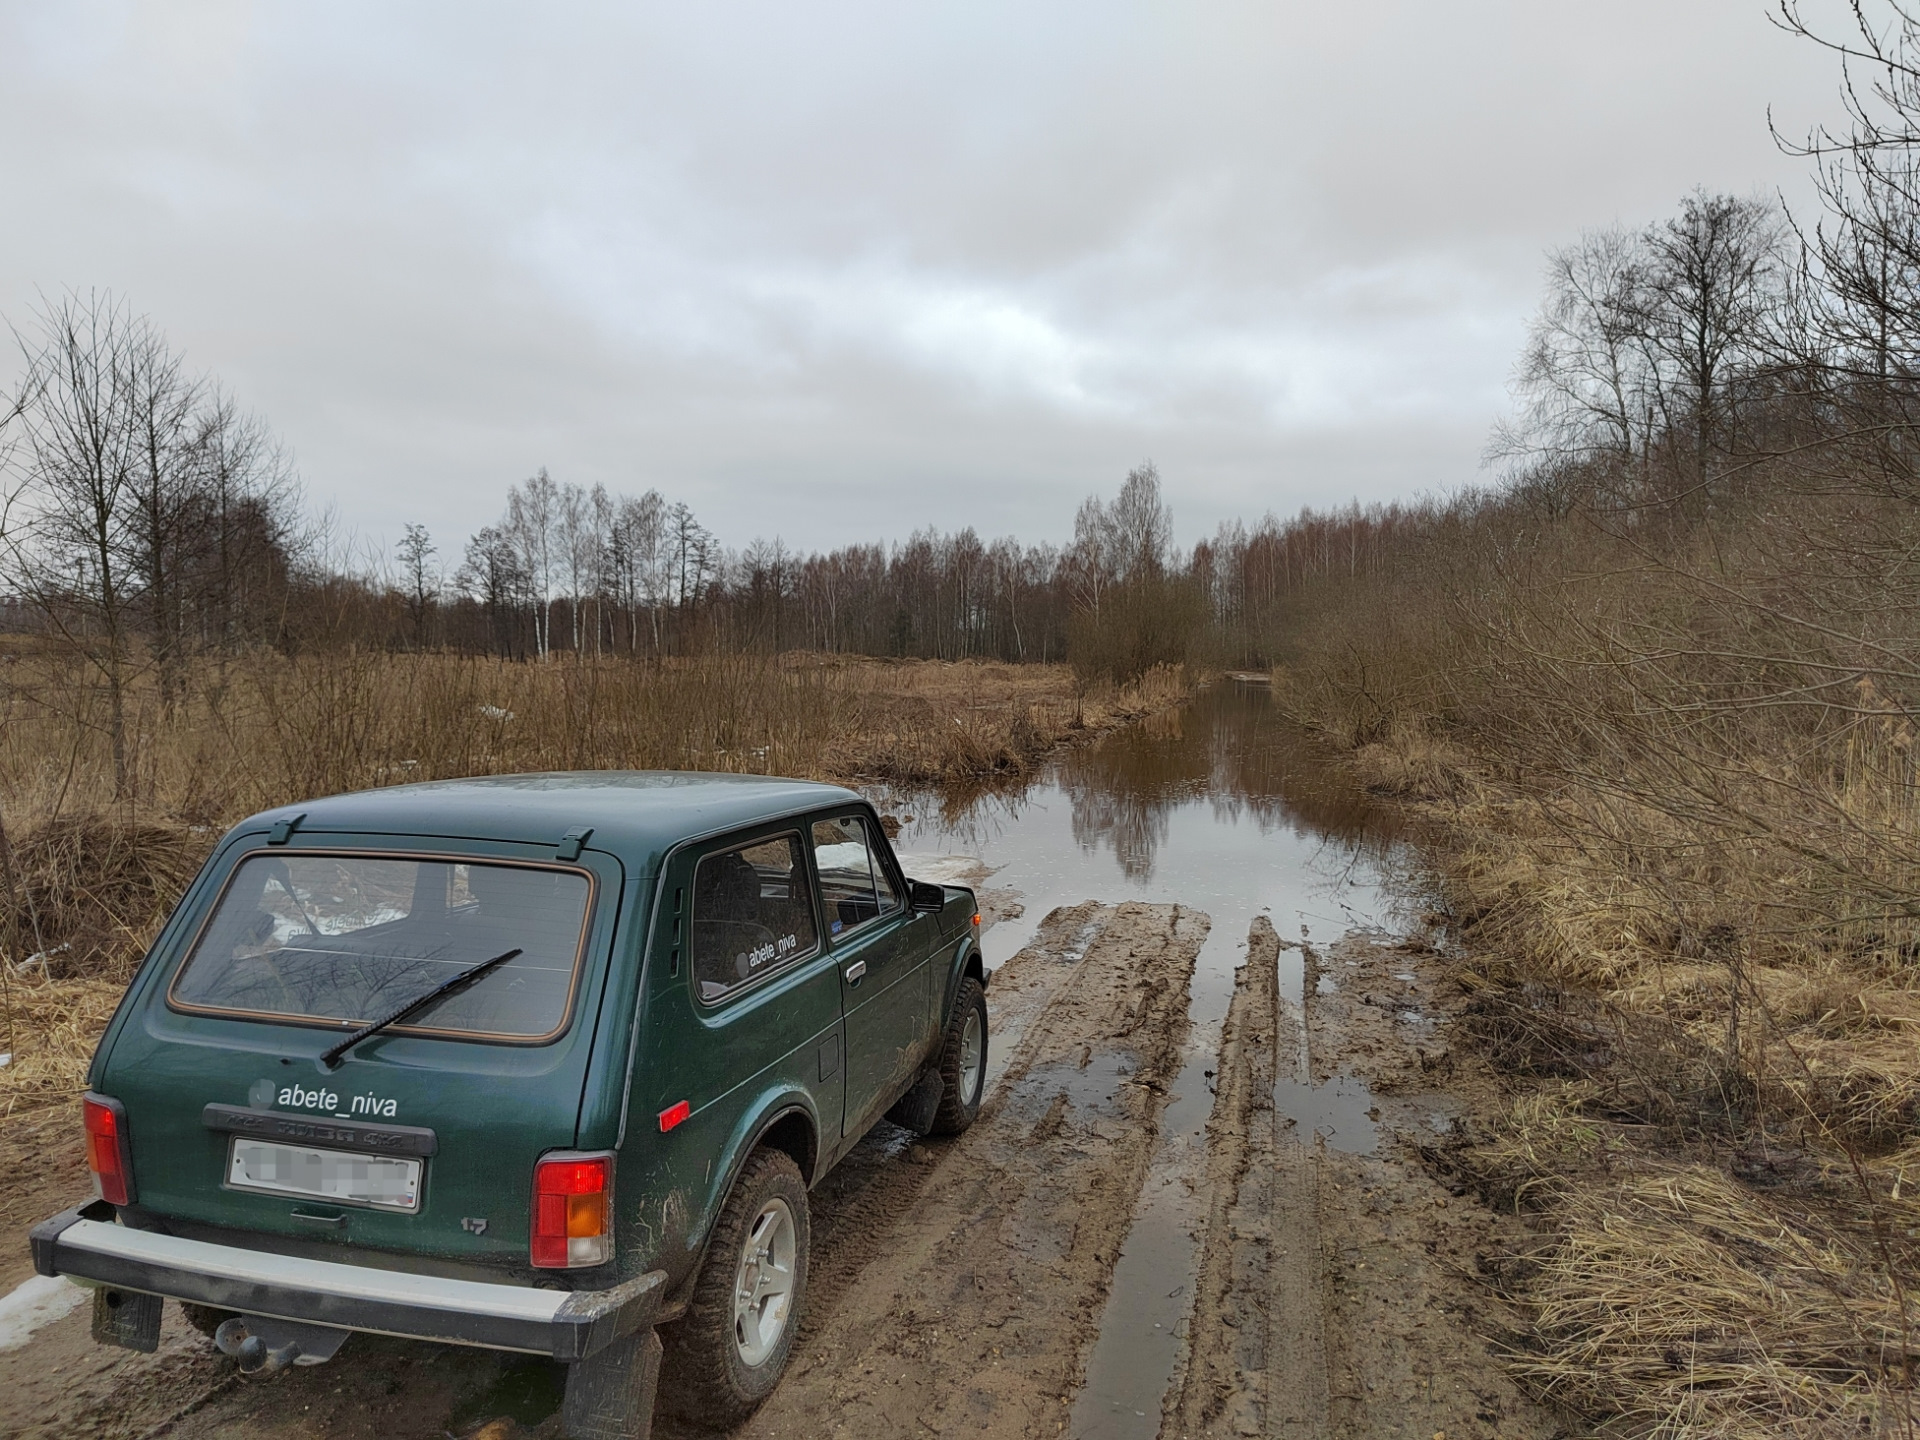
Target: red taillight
[[572, 1214], [106, 1122]]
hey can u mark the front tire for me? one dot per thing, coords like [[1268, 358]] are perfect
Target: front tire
[[727, 1353], [963, 1060]]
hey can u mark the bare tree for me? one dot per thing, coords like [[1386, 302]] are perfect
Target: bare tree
[[1142, 526], [1713, 285], [416, 551], [532, 520], [80, 407], [1583, 380], [164, 517]]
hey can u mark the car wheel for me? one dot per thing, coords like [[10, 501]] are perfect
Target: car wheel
[[963, 1060], [725, 1355]]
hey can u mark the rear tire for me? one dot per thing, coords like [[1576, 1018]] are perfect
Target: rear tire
[[727, 1353], [963, 1060]]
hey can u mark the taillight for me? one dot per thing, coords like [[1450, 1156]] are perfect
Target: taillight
[[107, 1156], [572, 1211]]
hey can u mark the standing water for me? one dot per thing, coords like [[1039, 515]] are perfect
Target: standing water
[[1221, 806]]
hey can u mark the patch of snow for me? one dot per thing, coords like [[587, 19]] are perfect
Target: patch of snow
[[944, 869], [33, 1303]]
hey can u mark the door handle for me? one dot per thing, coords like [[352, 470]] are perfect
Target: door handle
[[855, 971]]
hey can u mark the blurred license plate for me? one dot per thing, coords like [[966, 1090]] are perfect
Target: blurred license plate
[[337, 1175]]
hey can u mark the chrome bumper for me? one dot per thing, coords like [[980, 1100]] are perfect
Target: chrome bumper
[[85, 1243]]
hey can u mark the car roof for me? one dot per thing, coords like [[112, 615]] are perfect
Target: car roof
[[637, 814]]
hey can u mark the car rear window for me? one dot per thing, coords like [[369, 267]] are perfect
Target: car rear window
[[751, 915], [350, 938]]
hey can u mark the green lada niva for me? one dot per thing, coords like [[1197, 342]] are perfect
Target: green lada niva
[[543, 1063]]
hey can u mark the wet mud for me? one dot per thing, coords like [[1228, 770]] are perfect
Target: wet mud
[[1334, 1297], [974, 1308]]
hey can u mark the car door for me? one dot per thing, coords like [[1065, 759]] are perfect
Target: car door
[[883, 973]]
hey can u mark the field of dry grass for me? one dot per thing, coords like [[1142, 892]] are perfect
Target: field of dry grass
[[94, 875]]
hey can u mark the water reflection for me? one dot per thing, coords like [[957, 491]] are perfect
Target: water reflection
[[1229, 753], [1233, 748]]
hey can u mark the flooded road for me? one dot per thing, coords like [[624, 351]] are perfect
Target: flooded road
[[1225, 807]]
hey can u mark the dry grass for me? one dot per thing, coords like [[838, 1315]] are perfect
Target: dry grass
[[97, 875], [274, 728], [1714, 1122], [1683, 1303], [55, 1025]]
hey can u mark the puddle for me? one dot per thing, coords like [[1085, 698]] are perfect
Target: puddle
[[1340, 1113], [1093, 1088], [1222, 806]]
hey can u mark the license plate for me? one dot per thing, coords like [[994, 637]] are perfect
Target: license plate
[[383, 1182]]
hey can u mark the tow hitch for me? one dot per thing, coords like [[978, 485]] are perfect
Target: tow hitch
[[263, 1345]]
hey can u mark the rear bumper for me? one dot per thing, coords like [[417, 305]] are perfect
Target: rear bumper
[[85, 1243]]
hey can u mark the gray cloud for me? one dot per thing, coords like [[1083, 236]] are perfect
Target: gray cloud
[[839, 271]]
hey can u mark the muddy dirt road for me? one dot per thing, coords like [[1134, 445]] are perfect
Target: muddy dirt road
[[960, 1287]]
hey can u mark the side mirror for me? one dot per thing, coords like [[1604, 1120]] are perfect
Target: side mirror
[[927, 899]]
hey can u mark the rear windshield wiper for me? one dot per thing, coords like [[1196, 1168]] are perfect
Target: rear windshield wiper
[[447, 987]]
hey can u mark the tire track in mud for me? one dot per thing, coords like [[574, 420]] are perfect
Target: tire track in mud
[[1257, 1306], [1332, 1301], [881, 1178], [968, 1309]]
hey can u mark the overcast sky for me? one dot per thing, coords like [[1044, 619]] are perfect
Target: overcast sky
[[837, 271]]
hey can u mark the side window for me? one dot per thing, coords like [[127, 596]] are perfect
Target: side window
[[853, 883], [751, 915]]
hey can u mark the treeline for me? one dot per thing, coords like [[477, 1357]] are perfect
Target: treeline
[[148, 522], [572, 570]]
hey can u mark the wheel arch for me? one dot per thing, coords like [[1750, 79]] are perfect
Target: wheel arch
[[967, 961], [787, 1124]]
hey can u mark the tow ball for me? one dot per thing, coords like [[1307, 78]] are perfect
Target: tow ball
[[264, 1345]]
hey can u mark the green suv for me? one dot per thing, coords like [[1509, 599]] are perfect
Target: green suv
[[532, 1062]]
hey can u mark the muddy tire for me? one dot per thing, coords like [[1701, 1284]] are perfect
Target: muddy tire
[[963, 1060], [203, 1318], [726, 1354]]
